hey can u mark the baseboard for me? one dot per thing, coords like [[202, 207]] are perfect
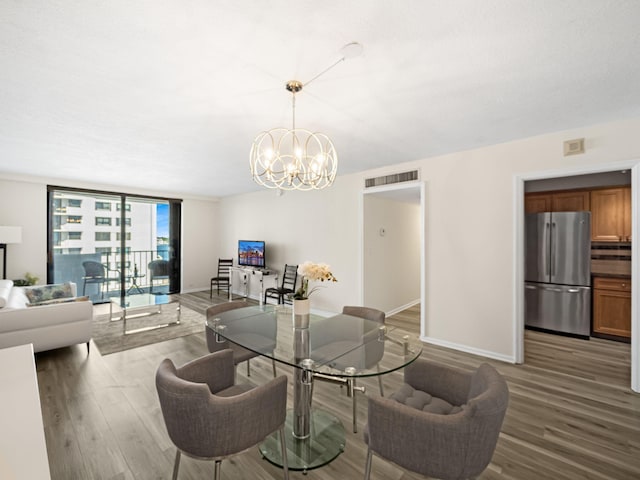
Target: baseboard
[[403, 307], [467, 349]]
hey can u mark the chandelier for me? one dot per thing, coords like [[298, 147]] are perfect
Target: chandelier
[[296, 159]]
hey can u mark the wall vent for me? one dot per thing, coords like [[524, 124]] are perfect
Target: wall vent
[[390, 179]]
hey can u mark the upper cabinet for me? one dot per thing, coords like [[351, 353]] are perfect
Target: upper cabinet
[[537, 202], [570, 201], [610, 209], [611, 215]]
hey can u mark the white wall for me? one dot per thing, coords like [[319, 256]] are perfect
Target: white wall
[[24, 204], [320, 226], [200, 243], [392, 258]]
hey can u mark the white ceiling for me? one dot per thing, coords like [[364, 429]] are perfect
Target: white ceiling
[[169, 95]]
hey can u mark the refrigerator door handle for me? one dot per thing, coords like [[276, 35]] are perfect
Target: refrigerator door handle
[[531, 287], [554, 241], [546, 266], [573, 290]]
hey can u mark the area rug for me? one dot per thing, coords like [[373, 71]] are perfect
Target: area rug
[[109, 338]]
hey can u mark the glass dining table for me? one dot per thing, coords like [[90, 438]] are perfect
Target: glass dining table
[[336, 348]]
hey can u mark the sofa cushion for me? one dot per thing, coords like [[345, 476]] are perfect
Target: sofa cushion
[[409, 396], [5, 290], [43, 293]]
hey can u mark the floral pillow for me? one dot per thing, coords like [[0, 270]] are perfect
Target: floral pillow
[[48, 292], [58, 300]]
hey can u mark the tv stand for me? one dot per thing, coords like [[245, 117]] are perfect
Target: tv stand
[[245, 274]]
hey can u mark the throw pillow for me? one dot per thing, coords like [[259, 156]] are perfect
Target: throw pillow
[[58, 300], [48, 292]]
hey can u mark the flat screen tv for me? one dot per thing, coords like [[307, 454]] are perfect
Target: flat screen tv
[[251, 253]]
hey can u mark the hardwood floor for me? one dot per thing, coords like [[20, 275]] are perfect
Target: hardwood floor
[[571, 413]]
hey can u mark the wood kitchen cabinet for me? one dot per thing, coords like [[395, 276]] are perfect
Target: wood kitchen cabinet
[[572, 201], [611, 215], [568, 201], [537, 202], [612, 306], [626, 230]]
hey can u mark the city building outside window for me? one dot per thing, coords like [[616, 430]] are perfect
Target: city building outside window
[[75, 235], [74, 218], [126, 237], [103, 206], [127, 207], [73, 202], [103, 221], [127, 222], [103, 236]]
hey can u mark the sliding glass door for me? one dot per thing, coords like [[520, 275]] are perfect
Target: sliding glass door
[[113, 244]]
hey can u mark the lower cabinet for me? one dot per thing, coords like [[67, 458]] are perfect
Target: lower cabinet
[[612, 306]]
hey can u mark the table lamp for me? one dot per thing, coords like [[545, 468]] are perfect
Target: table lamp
[[8, 235]]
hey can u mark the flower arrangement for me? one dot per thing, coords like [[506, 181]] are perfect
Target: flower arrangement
[[318, 272]]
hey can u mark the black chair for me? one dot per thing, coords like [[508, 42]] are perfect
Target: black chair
[[97, 273], [158, 270], [289, 279], [223, 279]]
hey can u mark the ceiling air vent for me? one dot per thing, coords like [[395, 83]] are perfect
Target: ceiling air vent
[[390, 179]]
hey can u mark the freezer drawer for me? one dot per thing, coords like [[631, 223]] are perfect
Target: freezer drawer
[[560, 308]]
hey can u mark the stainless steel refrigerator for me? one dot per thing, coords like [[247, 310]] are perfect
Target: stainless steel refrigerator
[[558, 272]]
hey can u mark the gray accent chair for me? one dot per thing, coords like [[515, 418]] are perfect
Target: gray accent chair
[[443, 422], [208, 417], [265, 338]]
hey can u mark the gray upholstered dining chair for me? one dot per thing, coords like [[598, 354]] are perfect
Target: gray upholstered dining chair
[[324, 344], [443, 422], [209, 417], [264, 337]]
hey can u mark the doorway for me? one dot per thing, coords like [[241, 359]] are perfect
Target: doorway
[[393, 249], [558, 178]]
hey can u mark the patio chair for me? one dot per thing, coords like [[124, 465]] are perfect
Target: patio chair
[[97, 273]]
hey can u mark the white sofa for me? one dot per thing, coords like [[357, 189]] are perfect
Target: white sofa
[[45, 326]]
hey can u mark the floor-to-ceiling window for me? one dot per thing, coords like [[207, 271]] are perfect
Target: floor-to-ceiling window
[[113, 244]]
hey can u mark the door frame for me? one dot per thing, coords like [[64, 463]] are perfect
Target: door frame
[[423, 254], [518, 293]]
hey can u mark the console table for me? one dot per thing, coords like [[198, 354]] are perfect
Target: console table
[[23, 451]]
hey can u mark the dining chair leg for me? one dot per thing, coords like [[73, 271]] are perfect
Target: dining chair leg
[[283, 449], [367, 467], [248, 369], [176, 465], [380, 380], [216, 470], [273, 364]]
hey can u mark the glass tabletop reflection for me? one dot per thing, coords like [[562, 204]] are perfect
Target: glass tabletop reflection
[[339, 345]]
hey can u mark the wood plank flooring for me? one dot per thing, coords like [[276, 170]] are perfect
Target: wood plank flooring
[[571, 413]]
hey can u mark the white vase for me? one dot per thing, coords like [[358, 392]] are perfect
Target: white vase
[[301, 310]]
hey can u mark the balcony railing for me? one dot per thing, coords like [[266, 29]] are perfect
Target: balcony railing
[[68, 267]]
